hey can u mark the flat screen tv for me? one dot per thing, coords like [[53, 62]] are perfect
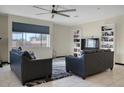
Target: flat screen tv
[[90, 43]]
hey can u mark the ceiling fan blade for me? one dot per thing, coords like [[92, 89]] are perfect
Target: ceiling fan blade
[[57, 6], [62, 7], [68, 10], [62, 14], [41, 8], [42, 13]]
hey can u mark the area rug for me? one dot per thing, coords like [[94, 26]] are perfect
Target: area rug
[[58, 72]]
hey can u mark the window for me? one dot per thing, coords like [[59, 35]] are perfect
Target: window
[[45, 40], [30, 39], [17, 39]]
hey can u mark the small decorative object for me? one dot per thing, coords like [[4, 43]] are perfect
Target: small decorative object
[[77, 31], [20, 48], [78, 45]]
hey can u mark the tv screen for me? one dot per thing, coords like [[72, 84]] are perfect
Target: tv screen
[[90, 43]]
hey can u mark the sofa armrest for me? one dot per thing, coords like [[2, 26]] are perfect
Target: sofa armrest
[[75, 64]]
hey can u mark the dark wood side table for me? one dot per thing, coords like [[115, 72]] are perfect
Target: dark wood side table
[[0, 64]]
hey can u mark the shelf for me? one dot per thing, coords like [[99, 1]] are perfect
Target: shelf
[[108, 31], [107, 37], [77, 43]]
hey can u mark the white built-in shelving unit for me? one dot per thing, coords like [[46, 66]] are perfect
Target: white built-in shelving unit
[[107, 37], [77, 43]]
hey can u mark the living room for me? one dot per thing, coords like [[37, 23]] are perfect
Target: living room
[[16, 27]]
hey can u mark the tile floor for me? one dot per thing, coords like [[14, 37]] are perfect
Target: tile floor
[[108, 78]]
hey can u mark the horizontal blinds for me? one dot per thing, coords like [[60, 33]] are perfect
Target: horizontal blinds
[[30, 28]]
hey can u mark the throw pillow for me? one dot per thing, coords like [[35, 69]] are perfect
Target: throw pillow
[[27, 55], [32, 55]]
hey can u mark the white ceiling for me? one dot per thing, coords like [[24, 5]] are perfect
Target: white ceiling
[[85, 13]]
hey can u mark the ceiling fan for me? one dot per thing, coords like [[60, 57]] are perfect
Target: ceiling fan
[[55, 10]]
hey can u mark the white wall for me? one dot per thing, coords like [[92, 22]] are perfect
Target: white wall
[[61, 34], [91, 29], [39, 52], [4, 40], [94, 29], [60, 37], [62, 40]]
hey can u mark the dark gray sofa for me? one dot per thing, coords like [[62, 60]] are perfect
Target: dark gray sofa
[[27, 69], [91, 62]]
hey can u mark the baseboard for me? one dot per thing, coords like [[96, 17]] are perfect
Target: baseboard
[[3, 63], [119, 63]]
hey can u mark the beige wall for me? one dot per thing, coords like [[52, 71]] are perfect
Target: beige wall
[[4, 40], [62, 40], [60, 33], [94, 29], [39, 52], [61, 36], [91, 29]]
